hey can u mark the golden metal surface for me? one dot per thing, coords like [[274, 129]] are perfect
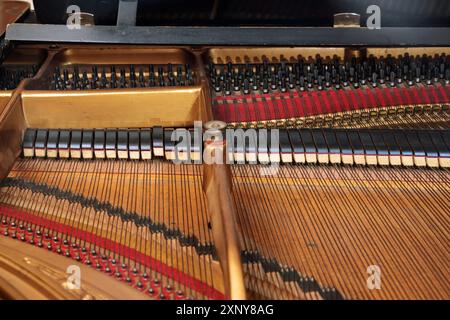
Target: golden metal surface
[[28, 272], [4, 98], [107, 55], [242, 55], [123, 108], [395, 52], [127, 108], [347, 20]]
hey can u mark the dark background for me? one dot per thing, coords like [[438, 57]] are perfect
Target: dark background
[[394, 13]]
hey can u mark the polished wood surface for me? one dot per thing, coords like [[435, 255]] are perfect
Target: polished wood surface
[[10, 12], [27, 272], [4, 98], [217, 187], [12, 127]]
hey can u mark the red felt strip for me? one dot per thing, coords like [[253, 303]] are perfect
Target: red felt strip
[[379, 93], [434, 94], [372, 103], [294, 104], [443, 90], [252, 110], [415, 95], [389, 97], [297, 106], [343, 97], [425, 95], [108, 244], [289, 105]]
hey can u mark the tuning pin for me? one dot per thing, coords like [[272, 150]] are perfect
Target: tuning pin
[[246, 86], [103, 79], [392, 79], [161, 82], [236, 83], [436, 75], [56, 82], [327, 79], [382, 76], [218, 86], [265, 86], [122, 79], [291, 81], [227, 89], [113, 81], [160, 72], [302, 83], [133, 83], [309, 79], [337, 82], [374, 79], [363, 77], [356, 81], [141, 77], [428, 77], [94, 72], [187, 68], [74, 80], [399, 76], [169, 69], [417, 74], [283, 87], [320, 83], [410, 77], [344, 80], [442, 70], [132, 72], [76, 75], [57, 72], [85, 83]]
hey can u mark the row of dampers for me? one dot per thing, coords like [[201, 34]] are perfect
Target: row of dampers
[[420, 148], [133, 144], [394, 147]]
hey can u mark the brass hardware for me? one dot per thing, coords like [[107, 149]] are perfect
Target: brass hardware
[[347, 20]]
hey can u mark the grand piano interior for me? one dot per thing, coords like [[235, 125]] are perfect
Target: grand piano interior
[[348, 199]]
